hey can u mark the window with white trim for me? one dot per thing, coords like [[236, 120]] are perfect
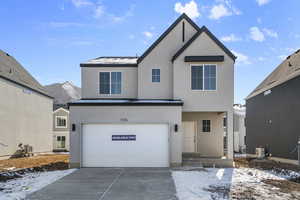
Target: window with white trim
[[110, 82], [155, 75], [61, 122], [206, 126], [61, 142], [204, 77]]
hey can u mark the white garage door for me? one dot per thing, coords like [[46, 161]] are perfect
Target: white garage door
[[120, 145]]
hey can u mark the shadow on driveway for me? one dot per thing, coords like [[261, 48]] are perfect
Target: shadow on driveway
[[111, 184]]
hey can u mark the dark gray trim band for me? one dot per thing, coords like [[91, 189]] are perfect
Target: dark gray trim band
[[25, 86], [108, 65], [127, 104], [183, 16], [203, 58]]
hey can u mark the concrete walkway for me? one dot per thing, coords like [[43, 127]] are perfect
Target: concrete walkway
[[111, 184]]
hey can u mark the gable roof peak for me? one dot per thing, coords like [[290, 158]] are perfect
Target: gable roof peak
[[194, 37], [181, 17]]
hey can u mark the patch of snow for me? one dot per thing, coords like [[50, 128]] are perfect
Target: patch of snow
[[220, 183], [71, 91], [114, 60], [19, 188]]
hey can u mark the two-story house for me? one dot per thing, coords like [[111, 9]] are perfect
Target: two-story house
[[147, 111]]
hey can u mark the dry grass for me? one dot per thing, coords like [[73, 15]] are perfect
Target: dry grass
[[31, 162]]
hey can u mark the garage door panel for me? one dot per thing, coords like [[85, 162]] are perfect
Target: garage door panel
[[150, 149]]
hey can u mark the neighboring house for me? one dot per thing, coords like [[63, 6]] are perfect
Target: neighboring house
[[148, 111], [62, 93], [272, 118], [25, 110], [239, 129], [61, 130]]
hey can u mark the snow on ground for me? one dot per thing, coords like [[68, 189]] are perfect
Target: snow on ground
[[233, 183], [19, 188]]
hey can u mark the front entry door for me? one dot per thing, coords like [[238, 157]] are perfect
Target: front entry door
[[189, 134]]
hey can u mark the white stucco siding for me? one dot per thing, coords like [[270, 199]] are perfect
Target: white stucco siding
[[195, 100], [90, 82], [160, 58], [25, 117]]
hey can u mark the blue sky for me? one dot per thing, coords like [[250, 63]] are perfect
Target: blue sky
[[51, 37]]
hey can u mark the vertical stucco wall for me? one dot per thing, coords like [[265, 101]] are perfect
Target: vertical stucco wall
[[25, 117], [160, 57], [134, 114], [208, 144], [90, 82], [196, 100]]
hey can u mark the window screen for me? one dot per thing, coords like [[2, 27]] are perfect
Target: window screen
[[156, 75], [104, 82], [205, 125], [116, 82], [209, 77], [197, 77]]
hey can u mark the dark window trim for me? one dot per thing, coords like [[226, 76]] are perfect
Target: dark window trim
[[219, 58]]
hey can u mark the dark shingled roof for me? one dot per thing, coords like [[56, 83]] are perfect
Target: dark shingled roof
[[12, 70], [287, 70]]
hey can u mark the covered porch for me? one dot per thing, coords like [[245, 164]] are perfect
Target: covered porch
[[205, 139]]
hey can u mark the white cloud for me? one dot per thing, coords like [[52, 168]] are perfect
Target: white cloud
[[282, 57], [65, 24], [270, 33], [81, 3], [148, 34], [262, 2], [259, 20], [256, 34], [191, 9], [99, 11], [230, 38], [131, 36], [242, 59], [122, 18], [219, 11], [261, 58]]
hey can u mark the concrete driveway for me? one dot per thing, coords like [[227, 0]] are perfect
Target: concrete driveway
[[111, 184]]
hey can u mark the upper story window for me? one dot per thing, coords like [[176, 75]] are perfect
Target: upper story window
[[155, 75], [61, 122], [110, 82], [204, 77]]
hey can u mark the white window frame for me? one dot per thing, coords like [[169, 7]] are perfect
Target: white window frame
[[60, 141], [155, 75], [63, 117], [210, 125], [203, 65], [110, 94]]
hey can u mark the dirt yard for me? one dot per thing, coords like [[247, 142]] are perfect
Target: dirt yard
[[35, 161], [288, 186]]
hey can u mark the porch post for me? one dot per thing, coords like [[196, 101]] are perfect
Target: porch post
[[229, 116]]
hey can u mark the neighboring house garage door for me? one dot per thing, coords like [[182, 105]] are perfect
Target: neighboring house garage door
[[125, 145]]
